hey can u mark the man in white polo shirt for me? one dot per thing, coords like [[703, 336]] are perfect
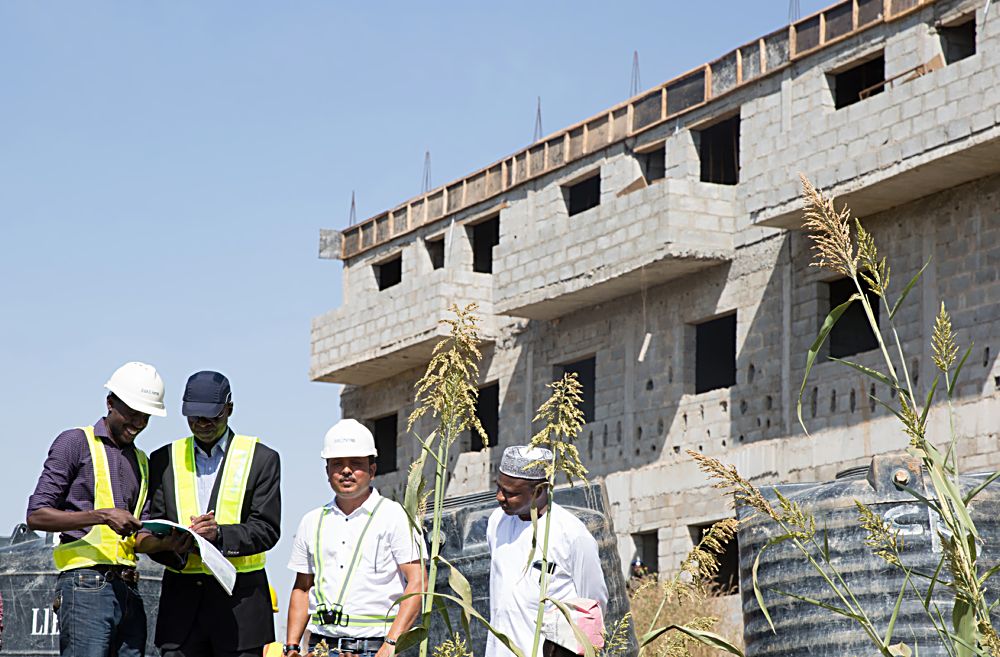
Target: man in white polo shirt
[[353, 558]]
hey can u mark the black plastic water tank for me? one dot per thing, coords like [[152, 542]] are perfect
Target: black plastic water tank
[[463, 529], [28, 583], [804, 629]]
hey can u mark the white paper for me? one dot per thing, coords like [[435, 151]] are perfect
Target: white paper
[[223, 571]]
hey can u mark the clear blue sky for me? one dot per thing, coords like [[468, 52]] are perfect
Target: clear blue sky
[[165, 168]]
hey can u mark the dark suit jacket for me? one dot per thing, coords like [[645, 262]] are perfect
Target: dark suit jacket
[[244, 620]]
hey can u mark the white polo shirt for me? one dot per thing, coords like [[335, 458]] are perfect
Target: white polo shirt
[[376, 581]]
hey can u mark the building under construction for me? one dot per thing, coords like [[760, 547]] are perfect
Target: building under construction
[[655, 250]]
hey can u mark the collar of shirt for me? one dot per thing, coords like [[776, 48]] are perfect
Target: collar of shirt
[[367, 507], [101, 429], [218, 448]]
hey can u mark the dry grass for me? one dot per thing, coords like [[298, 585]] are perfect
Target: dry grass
[[688, 606]]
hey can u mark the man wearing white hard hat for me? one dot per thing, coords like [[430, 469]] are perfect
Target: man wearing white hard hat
[[353, 558], [93, 491], [574, 565]]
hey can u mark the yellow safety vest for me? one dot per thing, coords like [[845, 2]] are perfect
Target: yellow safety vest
[[102, 545], [228, 505]]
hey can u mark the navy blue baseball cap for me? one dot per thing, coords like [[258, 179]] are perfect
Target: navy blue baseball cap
[[206, 395]]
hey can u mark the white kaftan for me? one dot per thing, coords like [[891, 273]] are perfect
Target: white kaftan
[[573, 562]]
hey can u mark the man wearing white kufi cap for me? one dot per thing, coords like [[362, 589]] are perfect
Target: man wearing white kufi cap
[[353, 558], [574, 565]]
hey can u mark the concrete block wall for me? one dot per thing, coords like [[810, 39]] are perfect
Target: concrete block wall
[[382, 322], [647, 415], [679, 220], [909, 124]]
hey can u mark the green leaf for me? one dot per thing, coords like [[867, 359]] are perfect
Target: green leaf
[[975, 491], [439, 606], [958, 370], [707, 638], [468, 609], [534, 538], [933, 583], [867, 371], [457, 581], [888, 408], [410, 638], [988, 574], [930, 398], [415, 484], [920, 498], [824, 331], [756, 585], [967, 647], [460, 585], [823, 605], [581, 638], [826, 545], [946, 489], [895, 615], [906, 290]]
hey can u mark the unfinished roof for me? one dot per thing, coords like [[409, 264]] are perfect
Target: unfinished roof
[[696, 88]]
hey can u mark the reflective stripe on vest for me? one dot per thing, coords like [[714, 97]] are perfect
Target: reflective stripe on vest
[[228, 504], [101, 545], [343, 619]]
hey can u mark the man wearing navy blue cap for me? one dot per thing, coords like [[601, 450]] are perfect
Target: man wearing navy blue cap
[[225, 487]]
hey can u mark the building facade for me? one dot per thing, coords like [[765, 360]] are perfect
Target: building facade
[[655, 249]]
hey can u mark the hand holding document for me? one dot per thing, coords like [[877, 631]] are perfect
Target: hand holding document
[[223, 571]]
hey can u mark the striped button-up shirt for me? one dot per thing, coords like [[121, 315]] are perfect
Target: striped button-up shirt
[[67, 479]]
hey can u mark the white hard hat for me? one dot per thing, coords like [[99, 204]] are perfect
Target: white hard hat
[[140, 387], [348, 438]]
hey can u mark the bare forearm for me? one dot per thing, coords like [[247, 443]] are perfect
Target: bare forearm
[[147, 543], [298, 615], [409, 609], [53, 520]]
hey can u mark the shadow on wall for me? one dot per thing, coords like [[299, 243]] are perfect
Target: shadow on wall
[[631, 404]]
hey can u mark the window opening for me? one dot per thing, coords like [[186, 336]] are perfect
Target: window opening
[[851, 334], [958, 41], [654, 163], [647, 554], [488, 413], [389, 272], [435, 249], [715, 354], [583, 195], [385, 432], [727, 580], [586, 370], [719, 151], [484, 236], [858, 82]]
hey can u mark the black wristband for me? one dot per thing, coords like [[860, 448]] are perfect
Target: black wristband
[[391, 642], [290, 647]]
